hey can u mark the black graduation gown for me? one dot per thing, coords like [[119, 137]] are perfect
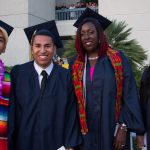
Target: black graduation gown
[[145, 102], [100, 105], [42, 122]]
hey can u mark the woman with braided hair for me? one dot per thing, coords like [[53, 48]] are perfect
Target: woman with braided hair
[[105, 87]]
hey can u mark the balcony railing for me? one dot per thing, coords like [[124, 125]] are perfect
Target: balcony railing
[[70, 14]]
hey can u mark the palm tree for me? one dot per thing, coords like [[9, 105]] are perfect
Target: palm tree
[[70, 49], [118, 36]]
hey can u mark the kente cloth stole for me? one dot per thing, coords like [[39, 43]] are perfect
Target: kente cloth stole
[[77, 74]]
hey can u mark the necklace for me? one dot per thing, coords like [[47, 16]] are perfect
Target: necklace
[[93, 58]]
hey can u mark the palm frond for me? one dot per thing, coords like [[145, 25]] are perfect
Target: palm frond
[[70, 49], [119, 38]]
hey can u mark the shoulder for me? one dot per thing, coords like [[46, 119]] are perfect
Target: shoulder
[[61, 70], [117, 54], [121, 54], [146, 74], [126, 64], [125, 60], [22, 68]]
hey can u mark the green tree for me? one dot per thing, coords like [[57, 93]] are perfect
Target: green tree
[[69, 49], [118, 36]]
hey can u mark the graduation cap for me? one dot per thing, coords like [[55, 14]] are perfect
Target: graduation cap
[[89, 13], [6, 27], [47, 28]]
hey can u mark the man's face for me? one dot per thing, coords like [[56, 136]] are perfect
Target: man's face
[[2, 43], [43, 49]]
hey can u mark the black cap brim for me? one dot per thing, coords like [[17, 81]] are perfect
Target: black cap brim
[[89, 13], [6, 27], [50, 26]]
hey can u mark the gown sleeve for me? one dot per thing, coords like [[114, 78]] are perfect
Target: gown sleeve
[[72, 129], [130, 110]]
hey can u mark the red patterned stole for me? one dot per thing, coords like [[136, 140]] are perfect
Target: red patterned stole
[[77, 73], [116, 62]]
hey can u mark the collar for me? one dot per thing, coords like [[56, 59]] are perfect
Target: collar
[[39, 69]]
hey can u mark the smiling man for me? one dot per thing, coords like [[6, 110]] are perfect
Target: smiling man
[[42, 112], [43, 49]]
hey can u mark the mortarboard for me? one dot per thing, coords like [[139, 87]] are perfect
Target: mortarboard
[[6, 27], [47, 28], [89, 13]]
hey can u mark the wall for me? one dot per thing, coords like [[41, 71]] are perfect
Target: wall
[[15, 13], [21, 14], [41, 11], [66, 28]]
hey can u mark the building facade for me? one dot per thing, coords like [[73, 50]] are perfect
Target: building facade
[[24, 13]]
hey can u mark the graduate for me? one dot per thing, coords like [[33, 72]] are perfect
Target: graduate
[[5, 31], [145, 104], [105, 87], [43, 113]]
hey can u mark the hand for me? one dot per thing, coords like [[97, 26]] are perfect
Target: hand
[[69, 149], [120, 139], [140, 141]]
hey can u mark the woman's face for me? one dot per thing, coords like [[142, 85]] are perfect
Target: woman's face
[[2, 43], [89, 37]]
